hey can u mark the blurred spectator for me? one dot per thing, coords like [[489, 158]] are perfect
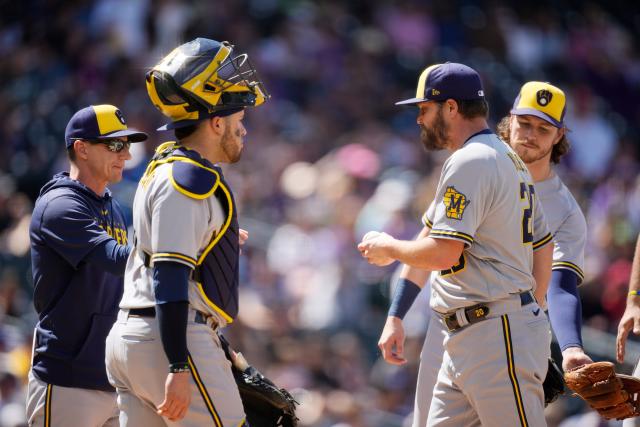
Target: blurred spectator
[[595, 140]]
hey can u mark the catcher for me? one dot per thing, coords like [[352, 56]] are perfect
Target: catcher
[[613, 395], [181, 282]]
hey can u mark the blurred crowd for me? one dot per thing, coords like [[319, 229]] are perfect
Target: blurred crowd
[[328, 158]]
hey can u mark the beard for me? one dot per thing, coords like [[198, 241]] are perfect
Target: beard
[[530, 155], [435, 137], [232, 145]]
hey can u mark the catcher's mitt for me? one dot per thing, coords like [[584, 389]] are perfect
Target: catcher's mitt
[[265, 405], [553, 383], [612, 395]]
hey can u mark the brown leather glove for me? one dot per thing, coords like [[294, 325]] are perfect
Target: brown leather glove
[[612, 395]]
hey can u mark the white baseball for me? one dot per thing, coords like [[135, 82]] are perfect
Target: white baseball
[[370, 235]]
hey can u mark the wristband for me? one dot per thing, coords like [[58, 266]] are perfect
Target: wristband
[[636, 293], [176, 368], [405, 294]]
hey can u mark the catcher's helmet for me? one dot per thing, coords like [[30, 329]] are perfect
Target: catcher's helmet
[[201, 78]]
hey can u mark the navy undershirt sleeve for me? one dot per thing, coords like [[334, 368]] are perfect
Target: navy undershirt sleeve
[[110, 256], [565, 309], [170, 282]]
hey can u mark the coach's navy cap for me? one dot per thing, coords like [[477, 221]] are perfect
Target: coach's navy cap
[[450, 80], [100, 122]]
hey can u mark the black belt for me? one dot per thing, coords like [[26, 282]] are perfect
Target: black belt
[[479, 312], [143, 312], [199, 317], [526, 298], [473, 314]]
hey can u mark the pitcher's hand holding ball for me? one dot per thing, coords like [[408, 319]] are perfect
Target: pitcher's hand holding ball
[[375, 247]]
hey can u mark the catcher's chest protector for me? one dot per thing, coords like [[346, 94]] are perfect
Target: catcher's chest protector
[[217, 267], [217, 272]]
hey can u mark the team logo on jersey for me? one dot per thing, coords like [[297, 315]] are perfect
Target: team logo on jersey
[[455, 202], [543, 97]]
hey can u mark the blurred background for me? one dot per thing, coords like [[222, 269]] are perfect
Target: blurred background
[[328, 158]]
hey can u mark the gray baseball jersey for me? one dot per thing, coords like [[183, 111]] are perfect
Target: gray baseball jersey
[[486, 199], [567, 224], [171, 227], [178, 223]]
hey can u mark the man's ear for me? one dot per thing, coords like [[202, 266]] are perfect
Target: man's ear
[[450, 107], [217, 124], [80, 147]]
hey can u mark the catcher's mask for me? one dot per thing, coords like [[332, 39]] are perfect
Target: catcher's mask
[[203, 78]]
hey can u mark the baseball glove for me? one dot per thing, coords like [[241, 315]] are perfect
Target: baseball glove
[[612, 395], [553, 383], [265, 405]]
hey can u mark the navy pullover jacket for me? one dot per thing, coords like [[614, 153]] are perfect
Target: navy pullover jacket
[[78, 255]]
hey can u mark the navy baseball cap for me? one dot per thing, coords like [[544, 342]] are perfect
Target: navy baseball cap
[[450, 80], [100, 122]]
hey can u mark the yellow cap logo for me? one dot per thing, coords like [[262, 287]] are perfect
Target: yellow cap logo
[[543, 97]]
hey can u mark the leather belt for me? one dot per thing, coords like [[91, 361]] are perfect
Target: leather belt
[[526, 298], [142, 312], [477, 313], [199, 316], [473, 314]]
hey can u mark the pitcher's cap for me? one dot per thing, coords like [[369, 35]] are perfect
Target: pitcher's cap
[[450, 80]]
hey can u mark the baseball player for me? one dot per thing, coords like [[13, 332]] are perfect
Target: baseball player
[[181, 282], [630, 321], [78, 255], [485, 234], [535, 130]]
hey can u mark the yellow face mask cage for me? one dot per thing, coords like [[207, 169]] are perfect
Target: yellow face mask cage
[[206, 87]]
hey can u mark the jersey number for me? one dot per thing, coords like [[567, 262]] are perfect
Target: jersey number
[[527, 191]]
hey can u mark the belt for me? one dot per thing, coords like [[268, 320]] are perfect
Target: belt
[[199, 316], [477, 313], [526, 298], [143, 312]]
